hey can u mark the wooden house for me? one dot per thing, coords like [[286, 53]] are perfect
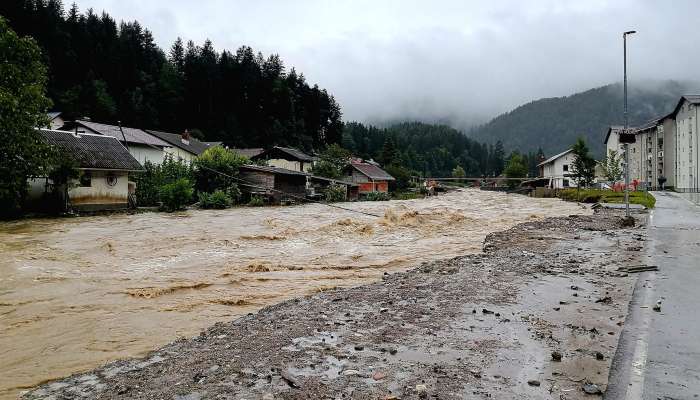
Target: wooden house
[[275, 184], [369, 177]]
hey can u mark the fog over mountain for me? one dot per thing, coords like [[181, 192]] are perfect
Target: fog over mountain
[[449, 61]]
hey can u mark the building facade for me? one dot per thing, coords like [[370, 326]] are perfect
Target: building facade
[[687, 138], [557, 170]]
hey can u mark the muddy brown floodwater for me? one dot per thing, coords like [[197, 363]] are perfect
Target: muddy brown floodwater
[[76, 293]]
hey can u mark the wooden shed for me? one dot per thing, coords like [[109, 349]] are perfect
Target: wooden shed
[[275, 184], [319, 184]]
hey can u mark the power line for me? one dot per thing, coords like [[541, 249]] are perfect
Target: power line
[[249, 184]]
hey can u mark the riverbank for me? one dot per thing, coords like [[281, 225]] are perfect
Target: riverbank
[[536, 315]]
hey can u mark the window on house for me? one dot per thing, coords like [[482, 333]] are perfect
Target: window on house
[[86, 179], [566, 167], [565, 183]]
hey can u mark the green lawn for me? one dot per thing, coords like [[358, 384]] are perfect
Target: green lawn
[[606, 196]]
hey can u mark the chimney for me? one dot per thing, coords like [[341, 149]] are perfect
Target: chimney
[[185, 137]]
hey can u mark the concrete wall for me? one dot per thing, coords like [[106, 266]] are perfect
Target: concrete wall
[[555, 172], [101, 194], [687, 138]]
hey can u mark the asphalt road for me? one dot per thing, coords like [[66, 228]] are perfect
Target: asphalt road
[[659, 352]]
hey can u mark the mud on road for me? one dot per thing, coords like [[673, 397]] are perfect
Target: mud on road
[[536, 316]]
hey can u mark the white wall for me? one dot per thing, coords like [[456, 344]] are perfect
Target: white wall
[[100, 192], [179, 154], [143, 153], [687, 138]]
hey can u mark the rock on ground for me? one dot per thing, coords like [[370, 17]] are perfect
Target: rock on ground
[[479, 326]]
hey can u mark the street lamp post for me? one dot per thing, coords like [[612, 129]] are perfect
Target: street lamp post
[[626, 122]]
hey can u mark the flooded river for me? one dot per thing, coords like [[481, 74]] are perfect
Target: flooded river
[[78, 292]]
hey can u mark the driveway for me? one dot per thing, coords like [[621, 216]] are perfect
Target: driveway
[[659, 352]]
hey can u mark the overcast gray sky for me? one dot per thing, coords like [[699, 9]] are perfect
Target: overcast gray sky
[[462, 60]]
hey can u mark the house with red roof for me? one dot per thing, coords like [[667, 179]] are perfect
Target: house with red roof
[[368, 176]]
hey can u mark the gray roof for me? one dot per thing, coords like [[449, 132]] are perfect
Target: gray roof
[[372, 171], [193, 146], [92, 151], [132, 135], [252, 152], [293, 153], [273, 170], [53, 115], [552, 158]]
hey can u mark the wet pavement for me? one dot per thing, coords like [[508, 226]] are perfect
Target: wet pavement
[[659, 353], [76, 293]]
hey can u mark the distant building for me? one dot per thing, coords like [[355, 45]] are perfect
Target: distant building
[[287, 158], [55, 119], [687, 159], [183, 146], [104, 163], [665, 148], [557, 170], [369, 177], [273, 183], [141, 144]]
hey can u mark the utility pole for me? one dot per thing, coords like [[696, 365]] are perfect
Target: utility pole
[[626, 126]]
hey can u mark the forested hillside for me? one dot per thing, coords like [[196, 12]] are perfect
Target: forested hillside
[[428, 150], [553, 124], [111, 71]]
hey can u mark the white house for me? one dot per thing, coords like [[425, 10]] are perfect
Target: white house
[[557, 170], [104, 164], [142, 145], [183, 146]]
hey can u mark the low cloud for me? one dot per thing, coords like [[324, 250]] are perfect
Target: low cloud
[[439, 61]]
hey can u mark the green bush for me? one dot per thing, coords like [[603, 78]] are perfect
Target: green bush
[[606, 196], [149, 182], [217, 169], [256, 201], [377, 196], [335, 193], [218, 200], [175, 196]]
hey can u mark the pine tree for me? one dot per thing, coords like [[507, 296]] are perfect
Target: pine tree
[[583, 167]]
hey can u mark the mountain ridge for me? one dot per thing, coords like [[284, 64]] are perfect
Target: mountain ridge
[[554, 123]]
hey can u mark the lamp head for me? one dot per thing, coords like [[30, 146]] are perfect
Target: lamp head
[[628, 33]]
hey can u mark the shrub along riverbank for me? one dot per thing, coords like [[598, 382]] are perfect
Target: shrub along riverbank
[[606, 196]]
